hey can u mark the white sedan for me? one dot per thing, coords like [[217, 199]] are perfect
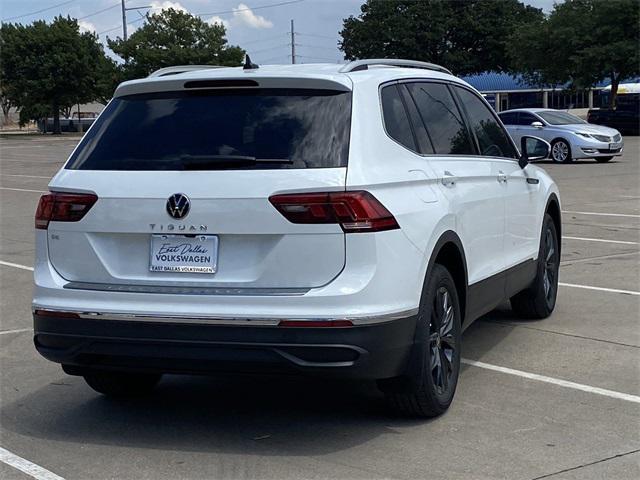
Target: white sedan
[[571, 138]]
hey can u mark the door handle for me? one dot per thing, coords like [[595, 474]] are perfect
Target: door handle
[[449, 179], [502, 177]]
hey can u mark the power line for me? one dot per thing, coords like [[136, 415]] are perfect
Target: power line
[[99, 11], [332, 60], [251, 8], [268, 39], [333, 49], [315, 35], [267, 60], [39, 11], [271, 5], [268, 48]]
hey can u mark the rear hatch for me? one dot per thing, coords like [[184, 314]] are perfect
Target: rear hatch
[[183, 180]]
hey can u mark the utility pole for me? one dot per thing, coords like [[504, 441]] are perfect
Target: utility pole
[[293, 44], [124, 22], [124, 17]]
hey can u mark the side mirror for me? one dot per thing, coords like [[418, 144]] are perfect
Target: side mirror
[[532, 148], [537, 124]]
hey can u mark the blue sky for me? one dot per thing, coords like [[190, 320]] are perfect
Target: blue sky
[[261, 29]]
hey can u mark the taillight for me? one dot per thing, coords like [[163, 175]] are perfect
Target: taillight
[[356, 211], [55, 313], [63, 207]]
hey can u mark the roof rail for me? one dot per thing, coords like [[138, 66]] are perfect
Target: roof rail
[[174, 70], [364, 64]]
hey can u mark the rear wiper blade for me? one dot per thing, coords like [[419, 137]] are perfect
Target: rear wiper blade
[[223, 160]]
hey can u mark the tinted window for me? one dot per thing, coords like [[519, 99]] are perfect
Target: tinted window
[[219, 129], [396, 120], [525, 118], [509, 118], [560, 118], [442, 118], [422, 136], [492, 138]]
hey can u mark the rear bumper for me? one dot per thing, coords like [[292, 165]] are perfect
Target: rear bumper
[[367, 351]]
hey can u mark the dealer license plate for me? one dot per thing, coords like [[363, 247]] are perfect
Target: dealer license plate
[[184, 254]]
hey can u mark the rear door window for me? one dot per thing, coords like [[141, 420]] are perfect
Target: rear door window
[[226, 129], [442, 119], [396, 120], [493, 140], [509, 118]]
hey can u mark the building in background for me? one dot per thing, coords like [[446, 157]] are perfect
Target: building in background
[[505, 91]]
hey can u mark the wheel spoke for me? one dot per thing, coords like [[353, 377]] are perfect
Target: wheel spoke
[[436, 367], [449, 340], [445, 369], [442, 342], [546, 284], [435, 322], [549, 245], [445, 301], [447, 322]]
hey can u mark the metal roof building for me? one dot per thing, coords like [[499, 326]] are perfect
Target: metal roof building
[[505, 91]]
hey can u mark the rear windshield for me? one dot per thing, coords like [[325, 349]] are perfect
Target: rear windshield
[[219, 130]]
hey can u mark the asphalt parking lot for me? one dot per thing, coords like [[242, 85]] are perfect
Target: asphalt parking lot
[[558, 398]]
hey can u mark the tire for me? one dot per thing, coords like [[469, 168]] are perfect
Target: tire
[[539, 300], [603, 159], [429, 387], [121, 384], [561, 151]]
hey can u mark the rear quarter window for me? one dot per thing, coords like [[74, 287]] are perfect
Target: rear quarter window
[[396, 119], [219, 130]]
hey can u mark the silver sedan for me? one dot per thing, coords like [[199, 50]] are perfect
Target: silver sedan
[[571, 138]]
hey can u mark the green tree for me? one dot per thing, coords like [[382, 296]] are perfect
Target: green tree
[[48, 67], [173, 37], [466, 36], [581, 42]]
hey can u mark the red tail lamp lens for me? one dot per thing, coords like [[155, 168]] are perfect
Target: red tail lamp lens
[[56, 314], [356, 211], [63, 207]]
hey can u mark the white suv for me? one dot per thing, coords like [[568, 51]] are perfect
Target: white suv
[[347, 220]]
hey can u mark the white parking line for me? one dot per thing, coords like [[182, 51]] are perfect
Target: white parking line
[[22, 190], [17, 330], [621, 242], [26, 176], [555, 381], [600, 289], [604, 214], [25, 466], [16, 265]]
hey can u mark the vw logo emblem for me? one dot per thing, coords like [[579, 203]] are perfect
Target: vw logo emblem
[[178, 205]]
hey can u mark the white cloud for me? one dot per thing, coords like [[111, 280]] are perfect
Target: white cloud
[[165, 5], [86, 26], [218, 20], [244, 15]]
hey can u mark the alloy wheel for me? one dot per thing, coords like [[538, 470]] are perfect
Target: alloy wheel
[[442, 343], [560, 151], [550, 272]]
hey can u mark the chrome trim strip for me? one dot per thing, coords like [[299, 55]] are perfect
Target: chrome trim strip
[[235, 321], [186, 290]]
